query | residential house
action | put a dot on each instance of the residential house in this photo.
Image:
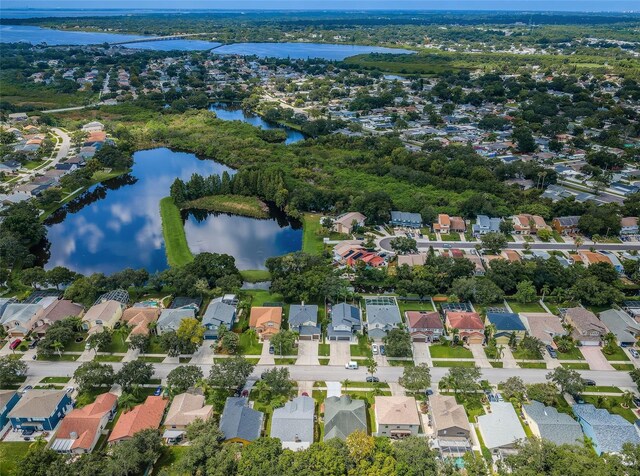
(629, 226)
(446, 224)
(477, 262)
(543, 326)
(468, 325)
(546, 422)
(587, 328)
(59, 310)
(266, 321)
(406, 219)
(383, 315)
(303, 319)
(424, 326)
(345, 322)
(606, 431)
(592, 257)
(345, 223)
(102, 316)
(184, 410)
(500, 429)
(484, 225)
(93, 126)
(293, 423)
(525, 224)
(18, 319)
(625, 328)
(218, 314)
(81, 428)
(396, 417)
(412, 260)
(343, 416)
(40, 410)
(506, 324)
(146, 416)
(170, 319)
(8, 400)
(239, 422)
(139, 319)
(451, 429)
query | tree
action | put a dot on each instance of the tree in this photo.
(191, 331)
(230, 342)
(183, 377)
(464, 379)
(205, 454)
(493, 242)
(278, 381)
(99, 340)
(404, 245)
(37, 462)
(569, 381)
(283, 342)
(93, 374)
(545, 234)
(610, 343)
(231, 373)
(524, 140)
(33, 277)
(140, 342)
(514, 387)
(416, 379)
(414, 458)
(11, 370)
(546, 393)
(134, 455)
(635, 376)
(532, 346)
(397, 343)
(526, 292)
(134, 373)
(259, 458)
(480, 290)
(360, 445)
(60, 276)
(371, 365)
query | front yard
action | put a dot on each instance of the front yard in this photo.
(618, 354)
(440, 351)
(249, 344)
(362, 348)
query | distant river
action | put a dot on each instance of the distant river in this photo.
(36, 35)
(117, 224)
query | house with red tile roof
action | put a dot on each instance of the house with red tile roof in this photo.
(424, 326)
(81, 428)
(468, 324)
(145, 416)
(139, 319)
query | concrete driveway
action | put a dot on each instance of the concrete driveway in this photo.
(508, 360)
(308, 353)
(595, 358)
(334, 389)
(204, 353)
(339, 352)
(480, 357)
(265, 357)
(421, 354)
(550, 361)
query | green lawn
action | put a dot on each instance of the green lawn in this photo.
(450, 236)
(497, 365)
(169, 458)
(520, 354)
(249, 344)
(453, 363)
(118, 345)
(414, 306)
(324, 350)
(146, 358)
(236, 204)
(576, 366)
(261, 296)
(175, 240)
(55, 380)
(55, 357)
(612, 404)
(618, 354)
(603, 389)
(532, 365)
(255, 275)
(110, 358)
(285, 361)
(440, 351)
(10, 455)
(312, 242)
(154, 346)
(362, 348)
(74, 346)
(573, 354)
(525, 307)
(185, 360)
(324, 361)
(401, 363)
(623, 366)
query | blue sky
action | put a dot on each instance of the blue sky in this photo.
(528, 5)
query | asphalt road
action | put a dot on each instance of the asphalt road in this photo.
(339, 373)
(385, 244)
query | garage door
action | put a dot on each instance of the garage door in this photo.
(419, 339)
(305, 338)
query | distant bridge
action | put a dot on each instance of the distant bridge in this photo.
(157, 38)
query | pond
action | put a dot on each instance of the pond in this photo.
(117, 224)
(228, 112)
(336, 52)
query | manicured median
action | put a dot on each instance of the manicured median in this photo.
(175, 240)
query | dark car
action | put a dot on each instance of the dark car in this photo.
(158, 391)
(271, 349)
(428, 392)
(636, 401)
(34, 343)
(382, 351)
(372, 379)
(28, 432)
(552, 352)
(588, 382)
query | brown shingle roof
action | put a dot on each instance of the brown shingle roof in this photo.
(447, 413)
(424, 320)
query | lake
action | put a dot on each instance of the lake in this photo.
(117, 224)
(37, 35)
(228, 112)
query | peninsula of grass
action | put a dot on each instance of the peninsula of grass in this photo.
(175, 240)
(237, 204)
(312, 242)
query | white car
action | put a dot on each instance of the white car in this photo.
(634, 353)
(374, 349)
(351, 365)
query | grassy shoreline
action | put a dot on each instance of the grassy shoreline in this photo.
(175, 239)
(312, 243)
(237, 204)
(255, 275)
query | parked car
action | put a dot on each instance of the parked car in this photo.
(34, 343)
(428, 392)
(382, 351)
(588, 382)
(374, 349)
(447, 246)
(271, 349)
(552, 352)
(14, 345)
(634, 353)
(158, 391)
(71, 389)
(636, 401)
(372, 379)
(351, 365)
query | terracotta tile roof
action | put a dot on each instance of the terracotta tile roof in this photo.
(147, 415)
(464, 320)
(424, 320)
(85, 422)
(629, 221)
(139, 318)
(261, 315)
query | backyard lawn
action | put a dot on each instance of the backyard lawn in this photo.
(312, 242)
(10, 455)
(525, 307)
(169, 458)
(414, 306)
(439, 351)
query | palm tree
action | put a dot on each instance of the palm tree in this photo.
(38, 443)
(545, 291)
(578, 242)
(454, 333)
(627, 399)
(345, 384)
(127, 401)
(152, 327)
(58, 347)
(122, 332)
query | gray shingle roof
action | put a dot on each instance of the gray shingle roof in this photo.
(346, 315)
(610, 431)
(19, 312)
(501, 428)
(218, 313)
(621, 324)
(343, 416)
(240, 421)
(557, 427)
(294, 421)
(304, 318)
(170, 319)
